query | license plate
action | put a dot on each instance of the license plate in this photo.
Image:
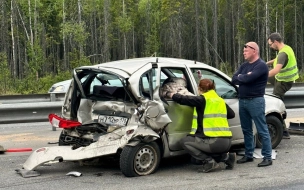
(113, 120)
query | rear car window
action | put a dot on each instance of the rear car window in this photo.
(103, 86)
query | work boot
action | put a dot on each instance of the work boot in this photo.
(208, 166)
(230, 161)
(286, 135)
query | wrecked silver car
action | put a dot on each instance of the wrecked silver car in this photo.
(116, 108)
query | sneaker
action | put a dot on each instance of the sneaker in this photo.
(286, 135)
(230, 161)
(208, 166)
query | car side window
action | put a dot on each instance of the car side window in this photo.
(169, 73)
(223, 88)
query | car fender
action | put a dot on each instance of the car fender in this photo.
(274, 104)
(143, 134)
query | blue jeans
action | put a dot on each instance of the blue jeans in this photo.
(254, 109)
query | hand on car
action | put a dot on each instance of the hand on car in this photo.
(166, 93)
(163, 93)
(169, 94)
(166, 89)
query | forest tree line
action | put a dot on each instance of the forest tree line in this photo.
(43, 40)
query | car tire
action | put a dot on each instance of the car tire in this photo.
(139, 160)
(275, 128)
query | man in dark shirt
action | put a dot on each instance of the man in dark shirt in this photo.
(252, 79)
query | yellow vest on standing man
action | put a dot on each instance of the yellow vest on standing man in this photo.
(290, 71)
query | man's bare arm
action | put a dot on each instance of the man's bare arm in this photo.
(270, 62)
(275, 70)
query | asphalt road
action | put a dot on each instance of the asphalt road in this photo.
(285, 173)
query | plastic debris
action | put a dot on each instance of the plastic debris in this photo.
(296, 128)
(27, 173)
(74, 173)
(257, 153)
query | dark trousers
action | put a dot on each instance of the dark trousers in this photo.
(206, 148)
(279, 89)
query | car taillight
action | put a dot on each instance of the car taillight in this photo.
(57, 121)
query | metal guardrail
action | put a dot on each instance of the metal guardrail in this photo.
(28, 112)
(294, 98)
(29, 108)
(13, 99)
(36, 108)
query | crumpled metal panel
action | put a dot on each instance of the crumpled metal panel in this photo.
(155, 115)
(86, 108)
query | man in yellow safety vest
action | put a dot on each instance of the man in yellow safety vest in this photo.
(285, 70)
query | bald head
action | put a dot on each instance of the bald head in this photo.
(254, 45)
(251, 52)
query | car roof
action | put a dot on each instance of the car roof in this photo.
(131, 65)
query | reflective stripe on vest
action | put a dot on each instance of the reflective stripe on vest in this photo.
(194, 122)
(215, 123)
(215, 115)
(290, 71)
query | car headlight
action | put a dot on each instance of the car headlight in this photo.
(57, 89)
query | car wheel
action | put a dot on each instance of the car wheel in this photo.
(142, 159)
(275, 128)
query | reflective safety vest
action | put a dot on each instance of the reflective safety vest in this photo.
(290, 71)
(215, 123)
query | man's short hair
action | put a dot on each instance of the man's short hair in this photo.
(275, 36)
